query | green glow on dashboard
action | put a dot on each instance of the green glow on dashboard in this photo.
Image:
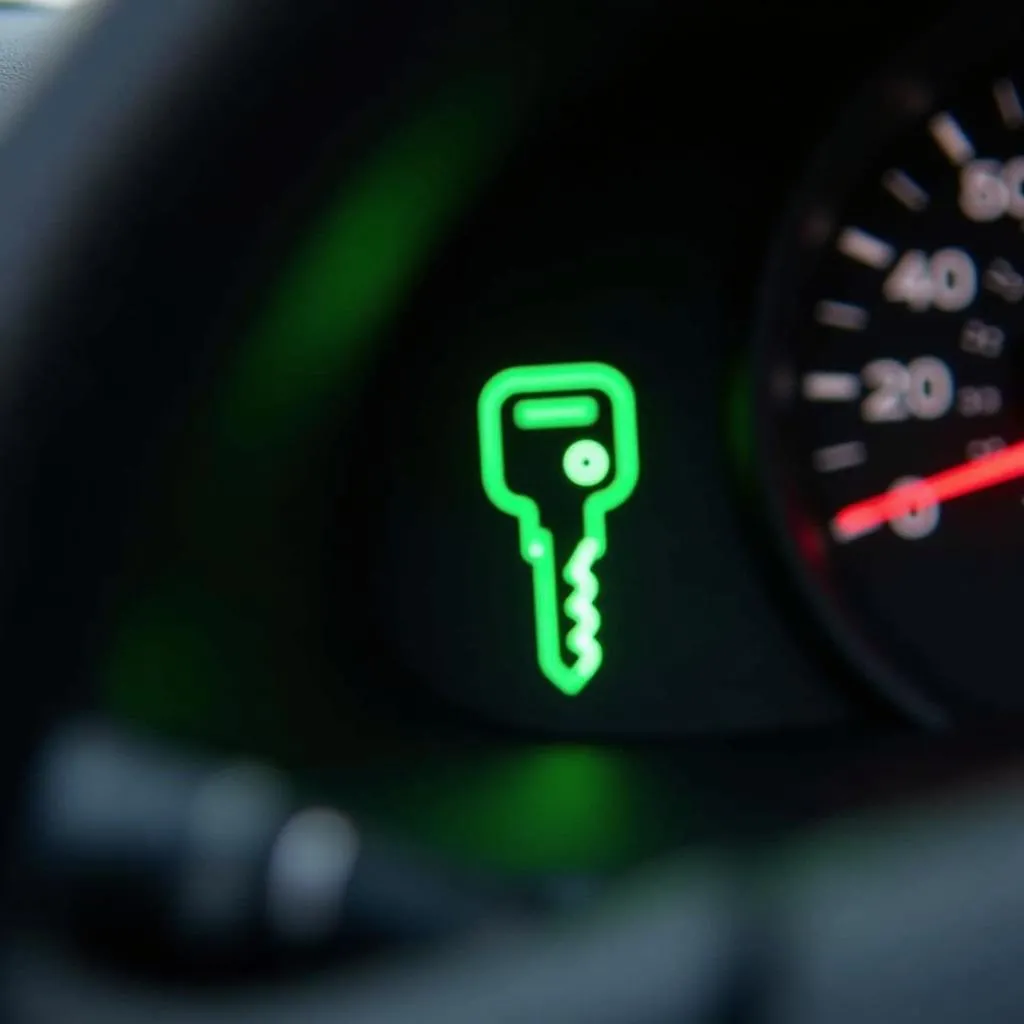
(586, 462)
(536, 807)
(220, 533)
(348, 281)
(739, 417)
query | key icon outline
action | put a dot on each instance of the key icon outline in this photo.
(536, 542)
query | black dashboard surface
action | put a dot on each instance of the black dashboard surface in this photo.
(638, 212)
(645, 203)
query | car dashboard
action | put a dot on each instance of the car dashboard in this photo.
(626, 451)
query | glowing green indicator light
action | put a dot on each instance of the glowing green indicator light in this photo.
(607, 478)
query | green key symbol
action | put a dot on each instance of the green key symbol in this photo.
(561, 397)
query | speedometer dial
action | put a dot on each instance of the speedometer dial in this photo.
(892, 381)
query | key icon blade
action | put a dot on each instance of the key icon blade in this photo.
(562, 398)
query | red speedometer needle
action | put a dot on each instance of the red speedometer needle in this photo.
(864, 516)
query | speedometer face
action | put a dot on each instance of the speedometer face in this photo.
(892, 384)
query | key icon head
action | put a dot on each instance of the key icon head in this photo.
(562, 399)
(559, 396)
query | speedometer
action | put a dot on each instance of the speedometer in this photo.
(891, 381)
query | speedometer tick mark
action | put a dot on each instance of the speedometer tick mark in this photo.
(1008, 102)
(839, 456)
(865, 248)
(843, 315)
(902, 187)
(825, 386)
(951, 138)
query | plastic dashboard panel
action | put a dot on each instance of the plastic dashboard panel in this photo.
(676, 252)
(745, 656)
(763, 668)
(617, 801)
